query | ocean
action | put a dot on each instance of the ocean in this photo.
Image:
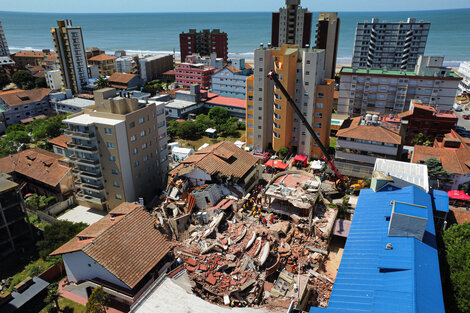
(158, 32)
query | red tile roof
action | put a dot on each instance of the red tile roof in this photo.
(10, 91)
(60, 141)
(125, 242)
(120, 78)
(24, 96)
(102, 57)
(51, 58)
(29, 54)
(223, 158)
(38, 164)
(228, 101)
(351, 128)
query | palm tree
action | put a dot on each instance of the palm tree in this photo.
(101, 82)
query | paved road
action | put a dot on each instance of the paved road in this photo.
(462, 122)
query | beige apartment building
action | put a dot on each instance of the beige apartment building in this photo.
(270, 120)
(106, 64)
(119, 149)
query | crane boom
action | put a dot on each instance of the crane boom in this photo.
(274, 77)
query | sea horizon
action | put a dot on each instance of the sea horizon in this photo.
(158, 32)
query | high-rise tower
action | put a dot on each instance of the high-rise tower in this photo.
(70, 49)
(291, 25)
(4, 51)
(326, 38)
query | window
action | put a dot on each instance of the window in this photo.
(141, 120)
(319, 105)
(116, 184)
(321, 95)
(118, 196)
(131, 124)
(112, 158)
(107, 130)
(146, 158)
(110, 145)
(114, 172)
(317, 125)
(319, 115)
(276, 135)
(142, 133)
(132, 138)
(134, 152)
(136, 163)
(144, 146)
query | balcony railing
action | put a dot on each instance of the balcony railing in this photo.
(85, 173)
(95, 199)
(81, 147)
(75, 159)
(78, 133)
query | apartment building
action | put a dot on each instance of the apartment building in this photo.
(361, 140)
(148, 67)
(119, 150)
(326, 38)
(8, 67)
(15, 230)
(187, 74)
(4, 51)
(53, 79)
(390, 45)
(19, 104)
(464, 71)
(390, 91)
(25, 58)
(70, 49)
(291, 25)
(211, 60)
(105, 63)
(124, 64)
(270, 120)
(231, 80)
(204, 43)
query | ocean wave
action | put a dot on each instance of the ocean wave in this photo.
(131, 51)
(16, 49)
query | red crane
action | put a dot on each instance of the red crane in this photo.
(343, 182)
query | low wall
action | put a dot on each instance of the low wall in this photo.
(53, 272)
(59, 207)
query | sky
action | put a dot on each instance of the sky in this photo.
(126, 6)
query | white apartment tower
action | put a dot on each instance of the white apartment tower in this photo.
(390, 45)
(4, 51)
(291, 25)
(119, 149)
(70, 49)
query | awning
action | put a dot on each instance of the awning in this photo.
(301, 158)
(277, 164)
(458, 195)
(317, 165)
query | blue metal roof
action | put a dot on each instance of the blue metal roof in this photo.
(412, 210)
(441, 200)
(370, 278)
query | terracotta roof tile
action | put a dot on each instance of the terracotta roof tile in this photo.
(129, 246)
(51, 58)
(25, 96)
(120, 78)
(453, 160)
(60, 141)
(102, 57)
(352, 129)
(30, 54)
(223, 158)
(38, 164)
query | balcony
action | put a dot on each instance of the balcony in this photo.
(77, 133)
(88, 186)
(89, 198)
(87, 162)
(87, 174)
(81, 148)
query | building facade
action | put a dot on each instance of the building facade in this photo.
(204, 43)
(25, 58)
(464, 71)
(391, 91)
(390, 45)
(231, 81)
(15, 229)
(151, 67)
(291, 25)
(326, 38)
(105, 63)
(4, 51)
(70, 49)
(119, 150)
(361, 140)
(124, 64)
(212, 60)
(19, 104)
(187, 74)
(8, 67)
(270, 120)
(53, 79)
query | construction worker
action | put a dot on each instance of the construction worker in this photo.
(271, 218)
(260, 217)
(264, 221)
(254, 211)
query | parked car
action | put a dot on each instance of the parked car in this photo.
(466, 116)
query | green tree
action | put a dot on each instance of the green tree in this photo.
(18, 136)
(219, 115)
(457, 245)
(172, 128)
(98, 301)
(283, 152)
(188, 130)
(421, 140)
(4, 81)
(40, 82)
(55, 235)
(204, 122)
(8, 147)
(101, 82)
(343, 207)
(23, 79)
(230, 128)
(15, 127)
(435, 169)
(53, 295)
